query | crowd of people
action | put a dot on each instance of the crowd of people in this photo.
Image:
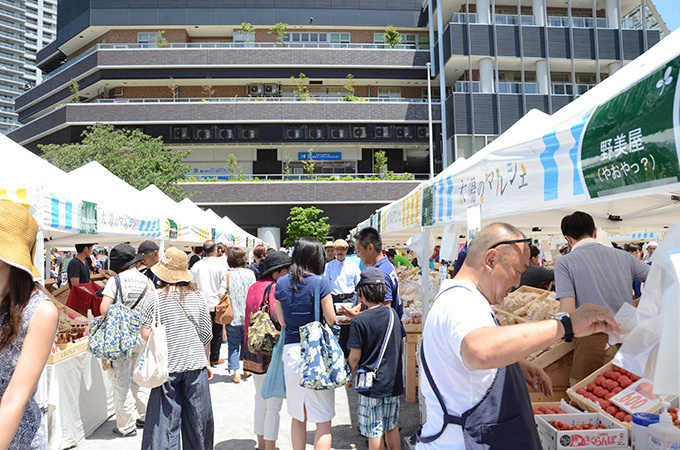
(475, 372)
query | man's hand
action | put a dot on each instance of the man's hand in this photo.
(210, 372)
(350, 383)
(536, 377)
(588, 319)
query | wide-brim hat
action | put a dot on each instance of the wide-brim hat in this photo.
(340, 243)
(276, 261)
(122, 257)
(18, 230)
(173, 267)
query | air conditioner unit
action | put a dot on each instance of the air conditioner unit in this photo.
(422, 132)
(359, 132)
(202, 134)
(382, 131)
(247, 133)
(338, 133)
(255, 89)
(180, 133)
(223, 133)
(293, 133)
(315, 133)
(400, 132)
(271, 89)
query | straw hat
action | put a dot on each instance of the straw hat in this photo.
(18, 230)
(173, 266)
(340, 243)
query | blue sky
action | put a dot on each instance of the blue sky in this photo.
(670, 12)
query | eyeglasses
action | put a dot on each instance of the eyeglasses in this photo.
(513, 241)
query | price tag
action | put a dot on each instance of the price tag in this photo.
(637, 397)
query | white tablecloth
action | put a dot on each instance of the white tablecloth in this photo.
(80, 399)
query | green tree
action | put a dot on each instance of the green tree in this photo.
(349, 84)
(305, 222)
(309, 163)
(137, 158)
(301, 89)
(380, 164)
(279, 32)
(234, 169)
(392, 36)
(246, 30)
(75, 91)
(159, 39)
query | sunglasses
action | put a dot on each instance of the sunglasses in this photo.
(513, 241)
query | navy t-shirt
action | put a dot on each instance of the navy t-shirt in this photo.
(367, 332)
(76, 269)
(298, 306)
(392, 283)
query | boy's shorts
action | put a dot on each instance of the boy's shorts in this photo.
(377, 415)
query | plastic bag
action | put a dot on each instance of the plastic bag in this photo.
(274, 384)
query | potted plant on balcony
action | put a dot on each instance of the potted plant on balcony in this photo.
(392, 36)
(301, 89)
(279, 32)
(349, 87)
(159, 39)
(247, 33)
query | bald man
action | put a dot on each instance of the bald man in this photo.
(475, 369)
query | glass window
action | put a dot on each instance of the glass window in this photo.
(389, 92)
(145, 38)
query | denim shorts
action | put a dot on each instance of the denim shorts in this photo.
(377, 415)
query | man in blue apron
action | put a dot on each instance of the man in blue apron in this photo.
(475, 375)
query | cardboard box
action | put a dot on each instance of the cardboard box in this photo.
(587, 405)
(614, 436)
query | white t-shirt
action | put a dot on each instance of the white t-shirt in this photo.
(455, 313)
(132, 283)
(208, 274)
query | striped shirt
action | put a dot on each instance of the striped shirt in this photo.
(187, 327)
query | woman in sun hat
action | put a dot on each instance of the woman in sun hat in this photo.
(182, 404)
(28, 324)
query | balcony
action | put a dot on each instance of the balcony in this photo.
(229, 111)
(245, 61)
(553, 21)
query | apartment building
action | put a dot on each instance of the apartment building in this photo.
(188, 71)
(26, 26)
(501, 58)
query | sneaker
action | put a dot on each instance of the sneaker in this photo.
(216, 363)
(237, 378)
(118, 433)
(139, 423)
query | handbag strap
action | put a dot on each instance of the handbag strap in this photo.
(386, 340)
(185, 314)
(119, 291)
(317, 299)
(265, 297)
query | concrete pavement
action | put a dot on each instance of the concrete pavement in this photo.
(233, 412)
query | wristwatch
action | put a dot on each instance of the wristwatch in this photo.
(566, 323)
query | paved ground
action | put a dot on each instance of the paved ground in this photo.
(233, 412)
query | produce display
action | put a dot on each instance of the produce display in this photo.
(545, 410)
(605, 386)
(410, 292)
(531, 305)
(561, 426)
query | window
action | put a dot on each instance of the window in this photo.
(419, 41)
(389, 92)
(146, 39)
(334, 38)
(434, 95)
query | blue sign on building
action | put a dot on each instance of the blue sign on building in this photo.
(320, 156)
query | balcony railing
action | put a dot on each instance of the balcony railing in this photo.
(531, 88)
(256, 100)
(226, 45)
(567, 88)
(553, 21)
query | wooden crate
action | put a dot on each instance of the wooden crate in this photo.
(413, 328)
(412, 343)
(558, 394)
(557, 363)
(542, 293)
(505, 317)
(68, 351)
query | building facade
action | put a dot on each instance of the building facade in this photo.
(502, 58)
(26, 26)
(190, 72)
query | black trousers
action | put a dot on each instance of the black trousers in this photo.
(216, 342)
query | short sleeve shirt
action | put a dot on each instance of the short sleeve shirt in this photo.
(298, 306)
(392, 283)
(367, 332)
(132, 284)
(455, 313)
(600, 275)
(77, 269)
(188, 327)
(240, 281)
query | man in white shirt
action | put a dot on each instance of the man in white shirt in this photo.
(477, 368)
(208, 274)
(343, 274)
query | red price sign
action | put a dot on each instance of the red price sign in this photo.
(637, 397)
